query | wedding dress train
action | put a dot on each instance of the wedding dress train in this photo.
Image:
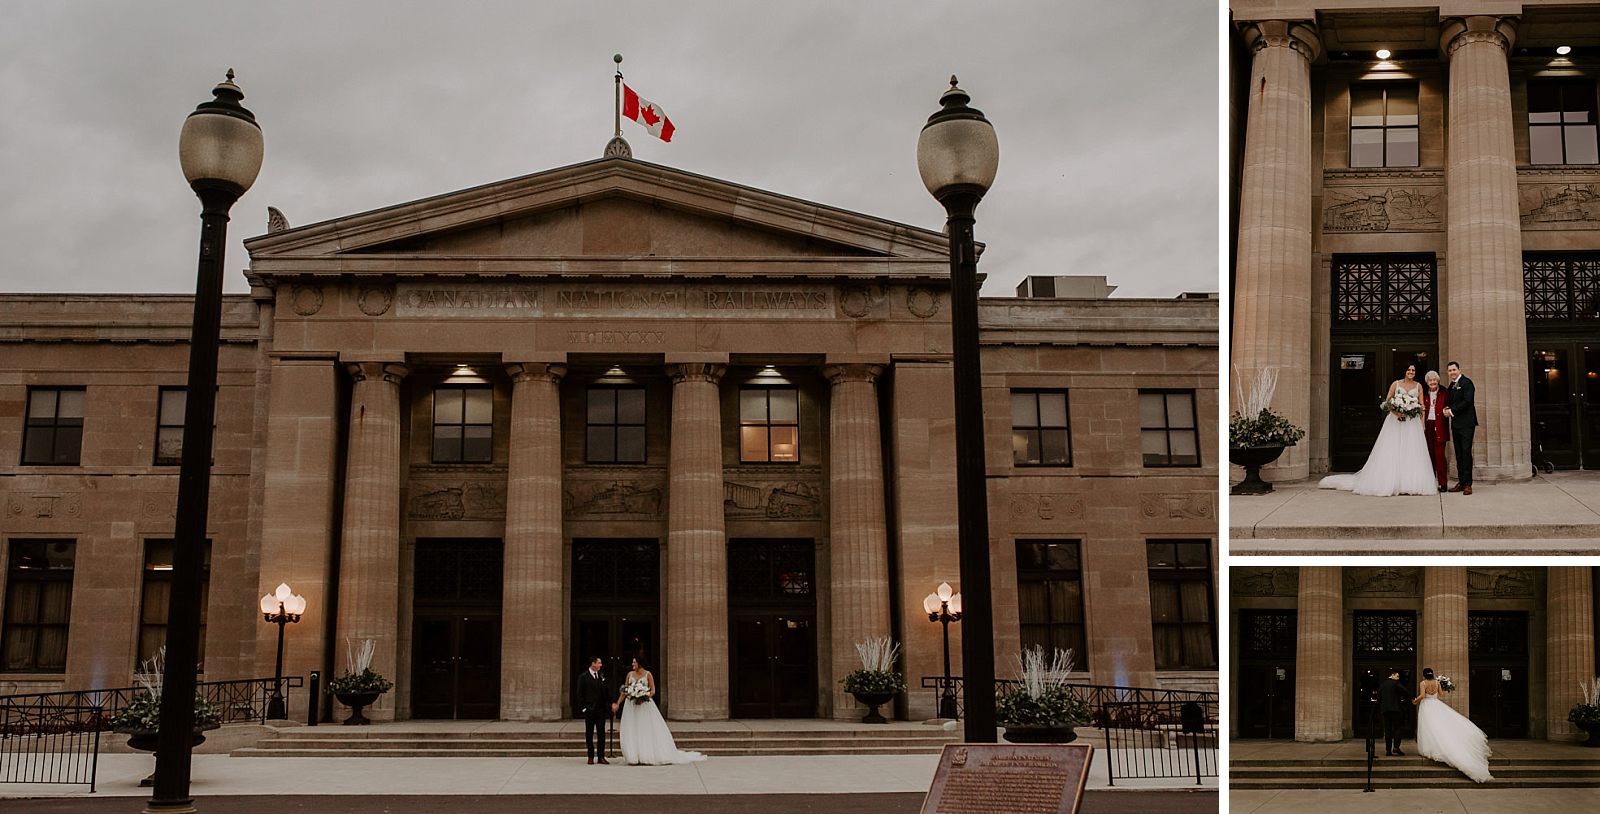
(1399, 464)
(645, 737)
(1447, 736)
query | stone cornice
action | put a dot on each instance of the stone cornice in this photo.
(270, 271)
(1298, 36)
(1425, 176)
(1454, 32)
(1109, 322)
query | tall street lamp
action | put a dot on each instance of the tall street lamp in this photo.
(944, 606)
(957, 156)
(220, 150)
(280, 608)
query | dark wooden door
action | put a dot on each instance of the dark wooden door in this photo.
(772, 664)
(1383, 640)
(1266, 674)
(616, 612)
(1564, 402)
(1497, 685)
(455, 642)
(1360, 378)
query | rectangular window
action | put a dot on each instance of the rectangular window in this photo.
(769, 425)
(1039, 435)
(1561, 122)
(1050, 597)
(1181, 599)
(38, 606)
(54, 426)
(1167, 432)
(463, 425)
(157, 594)
(1383, 125)
(169, 425)
(616, 425)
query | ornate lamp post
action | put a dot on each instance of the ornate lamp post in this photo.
(944, 606)
(957, 156)
(220, 149)
(280, 608)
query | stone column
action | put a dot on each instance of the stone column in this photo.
(1319, 679)
(533, 625)
(1444, 629)
(369, 555)
(857, 532)
(1569, 633)
(1272, 317)
(697, 548)
(1485, 328)
(297, 511)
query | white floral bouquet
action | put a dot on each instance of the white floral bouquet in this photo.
(1445, 684)
(637, 691)
(1404, 405)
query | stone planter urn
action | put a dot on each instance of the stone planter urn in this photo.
(1252, 459)
(146, 740)
(1035, 733)
(356, 701)
(1594, 734)
(873, 700)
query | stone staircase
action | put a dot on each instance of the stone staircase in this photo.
(389, 741)
(1411, 772)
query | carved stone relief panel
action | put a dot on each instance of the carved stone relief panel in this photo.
(1560, 205)
(45, 505)
(1265, 581)
(1383, 209)
(601, 496)
(1500, 582)
(1186, 505)
(158, 505)
(457, 499)
(766, 498)
(1383, 580)
(1043, 506)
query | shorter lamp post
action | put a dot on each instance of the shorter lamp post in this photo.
(280, 608)
(944, 606)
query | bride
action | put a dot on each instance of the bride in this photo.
(1444, 735)
(644, 734)
(1399, 463)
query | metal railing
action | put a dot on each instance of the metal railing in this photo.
(1149, 733)
(55, 737)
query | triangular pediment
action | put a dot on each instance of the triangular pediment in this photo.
(613, 207)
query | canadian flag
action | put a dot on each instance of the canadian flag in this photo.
(647, 113)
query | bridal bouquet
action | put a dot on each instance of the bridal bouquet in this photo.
(1404, 405)
(637, 691)
(1445, 684)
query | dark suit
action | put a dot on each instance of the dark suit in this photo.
(1463, 422)
(594, 700)
(1392, 698)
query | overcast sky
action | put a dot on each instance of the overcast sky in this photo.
(1106, 114)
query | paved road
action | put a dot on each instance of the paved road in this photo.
(1095, 802)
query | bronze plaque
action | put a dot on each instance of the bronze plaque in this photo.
(984, 778)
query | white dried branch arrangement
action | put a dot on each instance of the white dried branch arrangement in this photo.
(1590, 691)
(1039, 675)
(359, 658)
(878, 654)
(1250, 401)
(152, 672)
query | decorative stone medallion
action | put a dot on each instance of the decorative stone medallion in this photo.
(374, 300)
(922, 302)
(855, 301)
(305, 300)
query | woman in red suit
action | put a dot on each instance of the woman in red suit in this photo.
(1437, 428)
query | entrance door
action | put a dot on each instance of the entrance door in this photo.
(1266, 674)
(1497, 646)
(1361, 375)
(772, 611)
(1564, 397)
(455, 643)
(1384, 640)
(616, 611)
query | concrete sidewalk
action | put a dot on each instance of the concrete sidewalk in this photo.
(1414, 801)
(1555, 514)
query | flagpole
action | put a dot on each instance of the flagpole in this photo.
(618, 118)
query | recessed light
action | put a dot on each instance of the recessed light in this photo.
(1383, 53)
(1563, 49)
(461, 367)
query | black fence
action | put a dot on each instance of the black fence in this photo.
(1149, 733)
(55, 737)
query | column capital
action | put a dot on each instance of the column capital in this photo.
(536, 372)
(696, 372)
(1455, 32)
(377, 371)
(839, 374)
(1299, 36)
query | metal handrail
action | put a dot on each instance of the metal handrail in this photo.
(238, 701)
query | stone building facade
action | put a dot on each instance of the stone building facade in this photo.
(610, 409)
(1516, 641)
(1439, 203)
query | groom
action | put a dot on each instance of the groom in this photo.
(1392, 697)
(1463, 422)
(594, 697)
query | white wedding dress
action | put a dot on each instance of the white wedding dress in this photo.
(1446, 736)
(1398, 464)
(644, 734)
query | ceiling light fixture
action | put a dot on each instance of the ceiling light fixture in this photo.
(1383, 53)
(1563, 50)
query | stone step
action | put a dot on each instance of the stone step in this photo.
(1457, 782)
(1494, 762)
(579, 752)
(367, 733)
(1406, 772)
(361, 744)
